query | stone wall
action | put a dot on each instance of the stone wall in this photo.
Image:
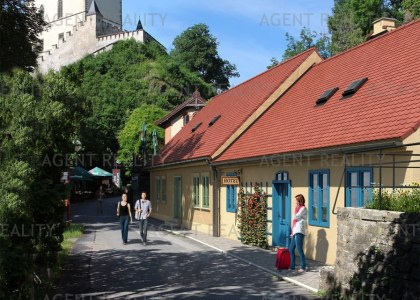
(378, 255)
(83, 41)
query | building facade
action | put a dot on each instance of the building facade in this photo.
(77, 28)
(335, 130)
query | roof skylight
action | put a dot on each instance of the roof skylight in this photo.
(354, 87)
(326, 96)
(214, 120)
(196, 127)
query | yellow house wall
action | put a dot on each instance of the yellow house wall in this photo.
(413, 175)
(320, 242)
(199, 219)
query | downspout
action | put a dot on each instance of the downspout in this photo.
(216, 203)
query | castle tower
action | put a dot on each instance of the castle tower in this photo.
(63, 15)
(78, 28)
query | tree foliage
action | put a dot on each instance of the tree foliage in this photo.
(196, 48)
(129, 137)
(307, 39)
(20, 25)
(349, 25)
(118, 81)
(37, 119)
(351, 20)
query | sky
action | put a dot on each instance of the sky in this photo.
(249, 32)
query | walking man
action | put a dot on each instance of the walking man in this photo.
(144, 207)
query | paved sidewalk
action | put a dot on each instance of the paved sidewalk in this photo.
(260, 258)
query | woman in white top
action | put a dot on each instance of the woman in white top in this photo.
(298, 233)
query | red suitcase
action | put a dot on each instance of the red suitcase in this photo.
(283, 259)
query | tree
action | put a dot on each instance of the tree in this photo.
(129, 136)
(308, 39)
(351, 20)
(411, 10)
(273, 62)
(38, 117)
(118, 81)
(197, 49)
(20, 25)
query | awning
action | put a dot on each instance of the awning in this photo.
(98, 172)
(80, 174)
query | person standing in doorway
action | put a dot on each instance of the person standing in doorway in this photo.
(144, 208)
(298, 233)
(124, 211)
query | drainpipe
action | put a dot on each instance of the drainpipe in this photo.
(216, 203)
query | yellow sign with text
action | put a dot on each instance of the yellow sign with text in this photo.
(230, 180)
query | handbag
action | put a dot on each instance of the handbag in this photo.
(137, 215)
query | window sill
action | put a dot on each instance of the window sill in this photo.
(202, 209)
(316, 224)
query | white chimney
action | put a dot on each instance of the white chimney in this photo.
(382, 25)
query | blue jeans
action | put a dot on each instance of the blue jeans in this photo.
(143, 229)
(297, 242)
(124, 228)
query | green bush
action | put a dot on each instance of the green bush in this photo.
(252, 217)
(404, 200)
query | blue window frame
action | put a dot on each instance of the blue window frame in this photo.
(358, 186)
(231, 196)
(319, 198)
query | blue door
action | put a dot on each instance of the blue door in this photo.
(281, 213)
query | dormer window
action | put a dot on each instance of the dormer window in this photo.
(186, 119)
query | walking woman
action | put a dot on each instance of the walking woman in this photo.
(124, 211)
(298, 233)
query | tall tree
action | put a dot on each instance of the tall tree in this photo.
(37, 119)
(411, 10)
(197, 49)
(351, 20)
(307, 39)
(130, 152)
(118, 81)
(20, 25)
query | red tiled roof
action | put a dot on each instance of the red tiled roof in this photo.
(234, 106)
(386, 107)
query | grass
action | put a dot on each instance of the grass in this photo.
(74, 231)
(70, 234)
(399, 200)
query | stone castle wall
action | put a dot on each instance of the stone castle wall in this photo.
(378, 254)
(88, 37)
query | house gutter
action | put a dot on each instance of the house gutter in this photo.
(184, 162)
(316, 153)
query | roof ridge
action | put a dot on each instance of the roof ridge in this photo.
(386, 34)
(266, 71)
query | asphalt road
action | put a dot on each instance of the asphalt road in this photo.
(169, 267)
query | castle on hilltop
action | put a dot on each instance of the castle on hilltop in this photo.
(77, 28)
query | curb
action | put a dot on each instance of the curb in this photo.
(285, 278)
